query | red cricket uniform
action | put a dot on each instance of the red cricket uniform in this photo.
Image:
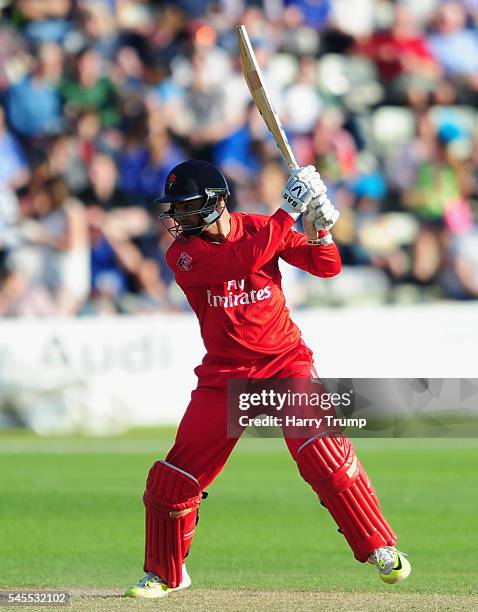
(234, 287)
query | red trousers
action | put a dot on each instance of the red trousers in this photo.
(202, 446)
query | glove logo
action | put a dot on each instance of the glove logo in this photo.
(185, 262)
(297, 188)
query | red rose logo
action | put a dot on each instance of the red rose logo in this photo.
(185, 262)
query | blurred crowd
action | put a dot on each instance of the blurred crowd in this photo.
(100, 98)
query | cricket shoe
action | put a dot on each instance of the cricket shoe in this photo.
(151, 587)
(392, 564)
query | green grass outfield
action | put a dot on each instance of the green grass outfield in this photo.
(71, 515)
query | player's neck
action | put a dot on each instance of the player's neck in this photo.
(217, 232)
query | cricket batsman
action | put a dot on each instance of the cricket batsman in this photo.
(227, 266)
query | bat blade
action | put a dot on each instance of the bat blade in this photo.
(255, 82)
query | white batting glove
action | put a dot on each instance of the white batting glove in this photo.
(308, 221)
(324, 212)
(303, 186)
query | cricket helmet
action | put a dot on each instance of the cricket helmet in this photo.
(193, 180)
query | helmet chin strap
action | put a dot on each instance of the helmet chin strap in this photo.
(212, 217)
(214, 214)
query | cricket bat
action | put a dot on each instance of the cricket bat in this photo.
(255, 82)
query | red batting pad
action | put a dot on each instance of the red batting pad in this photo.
(171, 499)
(331, 467)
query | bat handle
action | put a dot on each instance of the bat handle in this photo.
(293, 165)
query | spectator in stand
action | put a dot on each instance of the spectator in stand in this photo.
(438, 199)
(99, 27)
(124, 278)
(52, 264)
(64, 158)
(9, 218)
(122, 218)
(46, 21)
(404, 60)
(89, 135)
(268, 190)
(355, 18)
(316, 12)
(422, 12)
(109, 277)
(471, 7)
(154, 276)
(102, 189)
(334, 151)
(237, 153)
(459, 277)
(14, 169)
(166, 41)
(14, 58)
(88, 89)
(302, 103)
(456, 49)
(143, 169)
(206, 114)
(440, 180)
(377, 241)
(71, 153)
(33, 104)
(129, 72)
(403, 164)
(296, 37)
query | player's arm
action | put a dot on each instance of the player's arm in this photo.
(211, 264)
(319, 259)
(315, 252)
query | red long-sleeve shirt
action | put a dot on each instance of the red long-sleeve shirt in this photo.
(234, 287)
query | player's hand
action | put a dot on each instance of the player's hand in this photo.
(303, 186)
(321, 213)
